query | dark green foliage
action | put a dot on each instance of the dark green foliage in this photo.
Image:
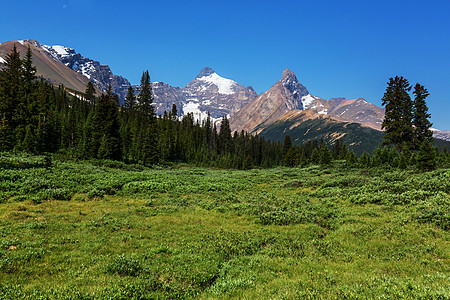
(292, 157)
(37, 117)
(421, 123)
(406, 122)
(397, 122)
(426, 157)
(90, 92)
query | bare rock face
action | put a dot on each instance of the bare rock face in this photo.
(46, 65)
(357, 111)
(164, 96)
(285, 95)
(289, 95)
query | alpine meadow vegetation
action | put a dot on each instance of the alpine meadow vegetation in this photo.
(106, 201)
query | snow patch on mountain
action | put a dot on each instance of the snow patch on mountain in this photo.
(224, 85)
(441, 134)
(2, 61)
(61, 50)
(307, 101)
(193, 107)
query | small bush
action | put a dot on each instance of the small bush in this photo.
(124, 265)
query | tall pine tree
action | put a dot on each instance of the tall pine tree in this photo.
(398, 118)
(421, 123)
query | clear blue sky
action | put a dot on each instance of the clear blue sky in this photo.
(336, 48)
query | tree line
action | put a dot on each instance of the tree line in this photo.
(37, 117)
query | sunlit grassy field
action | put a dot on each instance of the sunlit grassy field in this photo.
(106, 230)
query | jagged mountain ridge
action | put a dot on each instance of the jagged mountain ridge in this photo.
(207, 92)
(47, 67)
(288, 94)
(100, 75)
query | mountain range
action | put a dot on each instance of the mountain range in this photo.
(286, 108)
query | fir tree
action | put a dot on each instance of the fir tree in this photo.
(425, 160)
(292, 157)
(421, 123)
(130, 99)
(90, 92)
(224, 138)
(398, 118)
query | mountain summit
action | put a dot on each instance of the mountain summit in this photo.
(209, 92)
(207, 71)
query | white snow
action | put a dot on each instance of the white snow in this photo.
(340, 115)
(61, 50)
(206, 102)
(2, 60)
(224, 85)
(21, 41)
(307, 101)
(192, 107)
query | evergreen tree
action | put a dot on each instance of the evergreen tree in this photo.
(145, 141)
(90, 92)
(287, 144)
(398, 118)
(224, 140)
(351, 158)
(292, 157)
(421, 123)
(325, 155)
(426, 157)
(130, 99)
(11, 84)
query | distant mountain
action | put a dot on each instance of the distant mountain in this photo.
(307, 125)
(219, 96)
(47, 66)
(289, 94)
(208, 92)
(442, 135)
(100, 75)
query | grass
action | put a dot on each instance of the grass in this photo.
(116, 231)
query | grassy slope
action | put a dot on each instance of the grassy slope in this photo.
(188, 232)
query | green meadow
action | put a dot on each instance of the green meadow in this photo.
(101, 229)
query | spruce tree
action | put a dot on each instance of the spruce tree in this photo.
(90, 92)
(397, 122)
(421, 123)
(11, 88)
(426, 157)
(286, 144)
(224, 142)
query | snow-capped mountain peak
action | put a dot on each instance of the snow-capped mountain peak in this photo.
(224, 85)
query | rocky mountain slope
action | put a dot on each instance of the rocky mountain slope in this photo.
(47, 66)
(208, 92)
(307, 125)
(289, 94)
(100, 75)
